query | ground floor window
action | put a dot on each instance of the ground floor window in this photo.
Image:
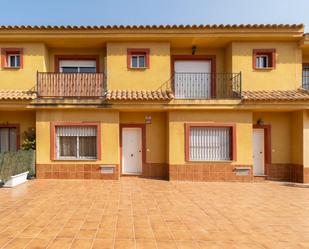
(210, 143)
(76, 142)
(8, 139)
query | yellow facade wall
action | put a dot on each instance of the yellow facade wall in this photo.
(286, 75)
(26, 120)
(156, 77)
(109, 132)
(243, 121)
(297, 137)
(34, 57)
(280, 134)
(155, 133)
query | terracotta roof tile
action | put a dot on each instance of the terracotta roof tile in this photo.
(138, 95)
(103, 27)
(280, 95)
(16, 95)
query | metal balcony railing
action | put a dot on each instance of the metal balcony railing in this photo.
(305, 82)
(207, 85)
(84, 85)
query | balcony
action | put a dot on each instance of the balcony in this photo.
(70, 85)
(207, 85)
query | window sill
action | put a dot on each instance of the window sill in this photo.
(75, 159)
(221, 161)
(138, 68)
(12, 68)
(264, 69)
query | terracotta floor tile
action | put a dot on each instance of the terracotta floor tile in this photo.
(86, 233)
(146, 244)
(17, 243)
(143, 213)
(124, 233)
(124, 244)
(103, 244)
(38, 243)
(105, 233)
(60, 244)
(166, 245)
(82, 244)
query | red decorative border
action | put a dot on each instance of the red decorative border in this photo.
(53, 126)
(134, 51)
(143, 128)
(270, 52)
(211, 58)
(232, 127)
(77, 57)
(4, 56)
(267, 143)
(17, 127)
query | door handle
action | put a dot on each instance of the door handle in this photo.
(139, 151)
(131, 155)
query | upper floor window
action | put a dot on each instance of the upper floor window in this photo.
(138, 58)
(264, 59)
(12, 58)
(77, 66)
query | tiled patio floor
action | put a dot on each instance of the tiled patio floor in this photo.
(143, 213)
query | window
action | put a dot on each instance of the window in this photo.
(305, 82)
(264, 58)
(8, 139)
(77, 66)
(138, 61)
(76, 142)
(12, 58)
(210, 142)
(138, 58)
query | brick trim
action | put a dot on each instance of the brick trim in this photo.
(77, 57)
(4, 57)
(17, 127)
(211, 58)
(232, 127)
(135, 51)
(270, 52)
(53, 126)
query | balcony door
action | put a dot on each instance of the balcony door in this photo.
(77, 66)
(192, 79)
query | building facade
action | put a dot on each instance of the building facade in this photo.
(197, 103)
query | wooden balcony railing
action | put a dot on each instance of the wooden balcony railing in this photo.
(84, 85)
(207, 85)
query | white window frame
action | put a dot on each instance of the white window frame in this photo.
(78, 157)
(77, 64)
(138, 56)
(258, 62)
(9, 60)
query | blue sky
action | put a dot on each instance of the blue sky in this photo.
(103, 12)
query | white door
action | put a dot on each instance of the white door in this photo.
(131, 150)
(192, 79)
(258, 152)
